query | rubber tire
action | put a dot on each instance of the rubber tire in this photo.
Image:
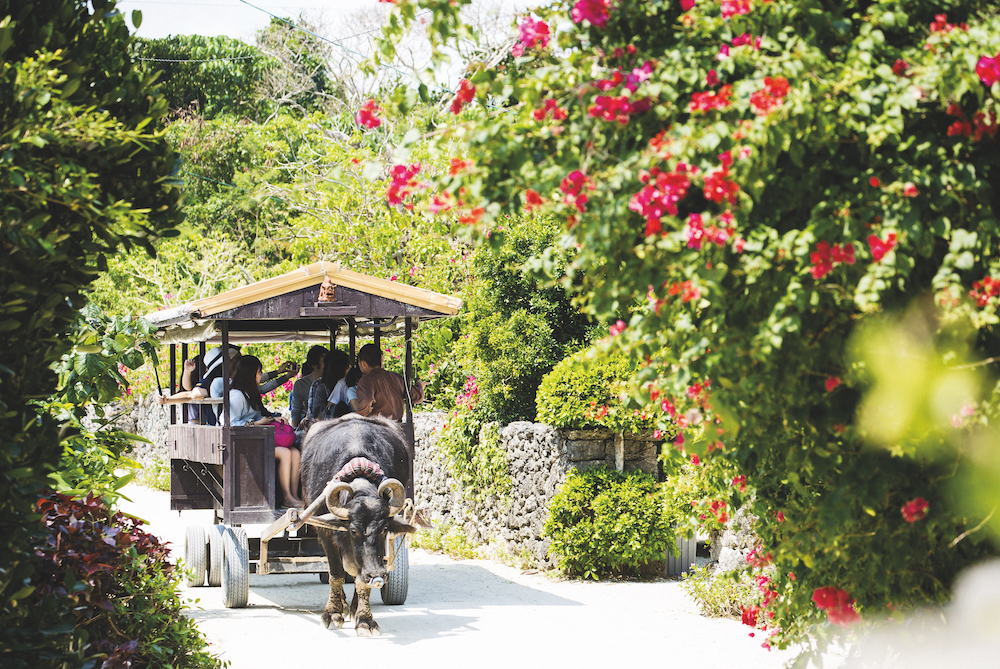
(235, 568)
(195, 555)
(216, 553)
(397, 581)
(324, 578)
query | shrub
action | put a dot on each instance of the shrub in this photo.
(720, 595)
(584, 391)
(608, 523)
(103, 594)
(448, 538)
(478, 460)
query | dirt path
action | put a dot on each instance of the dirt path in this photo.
(463, 614)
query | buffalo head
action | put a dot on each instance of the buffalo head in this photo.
(367, 514)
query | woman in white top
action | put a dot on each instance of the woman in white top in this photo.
(246, 408)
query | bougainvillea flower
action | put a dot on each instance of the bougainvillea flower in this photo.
(532, 200)
(988, 69)
(915, 509)
(472, 216)
(660, 195)
(367, 115)
(900, 67)
(740, 482)
(401, 182)
(909, 190)
(838, 605)
(687, 4)
(879, 248)
(825, 257)
(594, 11)
(712, 78)
(983, 290)
(441, 202)
(718, 188)
(533, 33)
(457, 165)
(874, 182)
(749, 615)
(550, 107)
(466, 93)
(831, 383)
(732, 8)
(711, 99)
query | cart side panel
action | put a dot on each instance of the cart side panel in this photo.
(188, 487)
(248, 464)
(197, 443)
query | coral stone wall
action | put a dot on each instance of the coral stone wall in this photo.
(540, 458)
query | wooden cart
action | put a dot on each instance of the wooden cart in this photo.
(231, 469)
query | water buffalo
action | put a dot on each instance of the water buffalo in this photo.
(367, 457)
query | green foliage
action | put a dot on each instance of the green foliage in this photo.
(83, 171)
(750, 340)
(154, 475)
(478, 459)
(720, 595)
(221, 75)
(607, 523)
(584, 390)
(447, 537)
(104, 591)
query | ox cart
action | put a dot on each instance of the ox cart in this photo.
(231, 469)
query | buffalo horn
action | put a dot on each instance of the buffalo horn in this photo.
(396, 495)
(333, 499)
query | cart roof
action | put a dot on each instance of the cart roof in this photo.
(287, 308)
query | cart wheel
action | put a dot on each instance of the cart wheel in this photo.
(325, 578)
(216, 550)
(235, 568)
(195, 555)
(397, 582)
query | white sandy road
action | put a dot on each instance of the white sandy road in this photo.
(463, 614)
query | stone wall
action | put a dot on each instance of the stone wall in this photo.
(540, 457)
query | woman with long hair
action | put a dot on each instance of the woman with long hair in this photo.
(246, 408)
(334, 369)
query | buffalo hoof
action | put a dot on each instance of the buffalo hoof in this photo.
(333, 620)
(367, 628)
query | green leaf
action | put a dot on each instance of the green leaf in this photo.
(136, 18)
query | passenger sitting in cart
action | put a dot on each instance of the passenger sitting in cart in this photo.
(247, 409)
(298, 399)
(335, 368)
(211, 383)
(382, 393)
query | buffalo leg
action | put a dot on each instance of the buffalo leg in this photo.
(333, 612)
(365, 624)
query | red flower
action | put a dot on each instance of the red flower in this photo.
(749, 615)
(612, 108)
(900, 67)
(838, 605)
(909, 190)
(712, 78)
(471, 217)
(825, 256)
(457, 165)
(740, 482)
(695, 460)
(988, 69)
(687, 4)
(466, 93)
(879, 248)
(573, 185)
(711, 99)
(550, 106)
(660, 195)
(781, 519)
(875, 183)
(831, 383)
(532, 200)
(989, 286)
(915, 509)
(617, 328)
(441, 202)
(594, 11)
(367, 115)
(718, 188)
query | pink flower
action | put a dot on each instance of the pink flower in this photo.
(367, 115)
(401, 182)
(988, 69)
(900, 67)
(695, 460)
(915, 509)
(909, 190)
(731, 8)
(781, 519)
(686, 5)
(594, 11)
(533, 33)
(740, 482)
(968, 409)
(617, 328)
(749, 615)
(712, 78)
(831, 383)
